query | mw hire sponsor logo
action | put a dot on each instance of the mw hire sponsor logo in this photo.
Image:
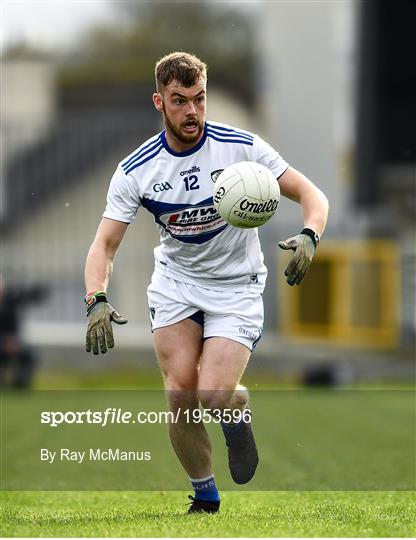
(192, 220)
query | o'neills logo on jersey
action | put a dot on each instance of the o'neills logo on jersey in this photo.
(190, 171)
(192, 221)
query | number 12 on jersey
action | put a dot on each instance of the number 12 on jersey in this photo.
(191, 182)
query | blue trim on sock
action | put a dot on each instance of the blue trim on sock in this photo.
(206, 490)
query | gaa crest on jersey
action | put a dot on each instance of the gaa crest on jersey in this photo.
(215, 174)
(161, 186)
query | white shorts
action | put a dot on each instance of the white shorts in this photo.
(235, 315)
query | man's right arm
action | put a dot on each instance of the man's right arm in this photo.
(99, 265)
(98, 269)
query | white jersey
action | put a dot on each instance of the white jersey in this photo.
(196, 244)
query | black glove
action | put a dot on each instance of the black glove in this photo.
(99, 330)
(304, 246)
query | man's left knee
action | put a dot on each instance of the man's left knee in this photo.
(215, 399)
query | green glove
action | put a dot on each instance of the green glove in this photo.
(304, 246)
(99, 331)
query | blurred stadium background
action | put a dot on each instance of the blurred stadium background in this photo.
(329, 84)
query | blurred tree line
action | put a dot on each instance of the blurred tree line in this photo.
(114, 65)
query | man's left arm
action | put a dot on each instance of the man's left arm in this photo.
(296, 187)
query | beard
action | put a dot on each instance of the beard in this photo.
(176, 130)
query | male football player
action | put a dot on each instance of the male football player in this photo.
(205, 297)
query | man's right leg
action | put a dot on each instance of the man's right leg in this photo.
(178, 348)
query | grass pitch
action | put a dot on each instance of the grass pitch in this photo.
(243, 514)
(249, 514)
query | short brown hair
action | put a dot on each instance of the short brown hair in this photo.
(183, 67)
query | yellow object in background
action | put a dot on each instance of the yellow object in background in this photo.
(351, 296)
